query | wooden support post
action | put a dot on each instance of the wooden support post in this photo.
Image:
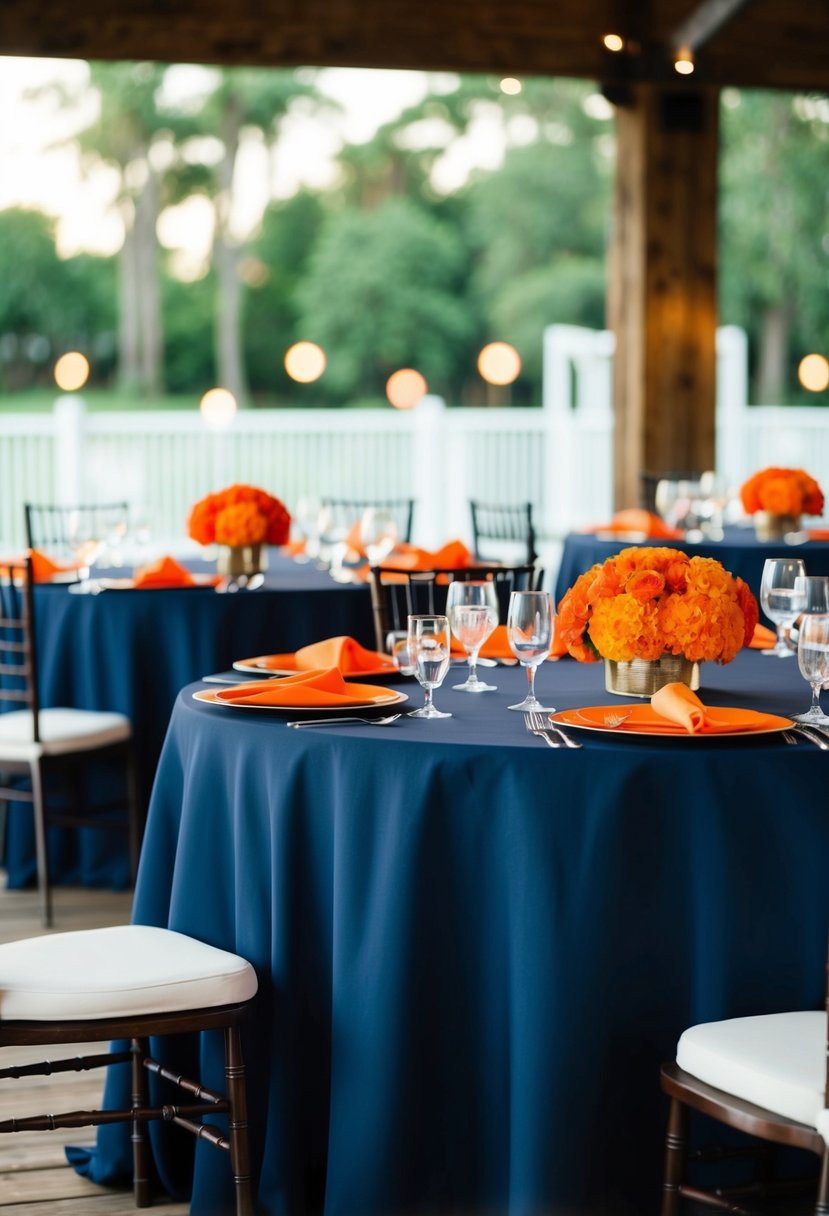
(662, 302)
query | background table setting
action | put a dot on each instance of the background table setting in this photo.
(131, 650)
(474, 950)
(765, 519)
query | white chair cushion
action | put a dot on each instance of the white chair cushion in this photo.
(777, 1061)
(121, 971)
(62, 731)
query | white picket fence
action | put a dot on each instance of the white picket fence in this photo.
(559, 457)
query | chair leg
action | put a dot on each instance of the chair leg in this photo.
(674, 1158)
(43, 887)
(135, 816)
(140, 1145)
(238, 1121)
(822, 1205)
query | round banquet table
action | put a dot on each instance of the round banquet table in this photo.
(473, 950)
(131, 651)
(739, 551)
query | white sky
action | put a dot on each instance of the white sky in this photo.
(36, 171)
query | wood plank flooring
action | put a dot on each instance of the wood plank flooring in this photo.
(35, 1178)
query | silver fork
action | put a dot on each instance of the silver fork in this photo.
(812, 734)
(300, 723)
(537, 724)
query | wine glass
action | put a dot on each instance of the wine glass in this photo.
(779, 600)
(472, 609)
(429, 644)
(84, 541)
(378, 534)
(815, 591)
(306, 518)
(813, 660)
(530, 633)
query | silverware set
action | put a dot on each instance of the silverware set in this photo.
(814, 734)
(554, 736)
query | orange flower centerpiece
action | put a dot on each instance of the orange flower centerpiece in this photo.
(653, 614)
(241, 519)
(777, 498)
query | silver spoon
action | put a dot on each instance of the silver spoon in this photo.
(387, 721)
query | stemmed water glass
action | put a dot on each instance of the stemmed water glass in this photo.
(428, 646)
(530, 634)
(780, 601)
(813, 660)
(472, 609)
(84, 541)
(378, 534)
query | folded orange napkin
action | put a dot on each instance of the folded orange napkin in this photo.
(166, 572)
(454, 555)
(44, 568)
(678, 705)
(818, 533)
(762, 638)
(323, 687)
(344, 653)
(635, 519)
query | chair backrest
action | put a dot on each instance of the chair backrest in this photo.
(348, 511)
(59, 529)
(398, 594)
(18, 654)
(503, 523)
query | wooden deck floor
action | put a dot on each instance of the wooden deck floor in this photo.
(35, 1179)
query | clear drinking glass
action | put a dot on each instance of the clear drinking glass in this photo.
(84, 541)
(472, 609)
(530, 633)
(378, 534)
(397, 645)
(813, 660)
(779, 600)
(429, 645)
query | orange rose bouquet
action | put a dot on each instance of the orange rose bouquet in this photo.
(782, 492)
(239, 515)
(647, 602)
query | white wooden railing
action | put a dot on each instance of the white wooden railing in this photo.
(559, 456)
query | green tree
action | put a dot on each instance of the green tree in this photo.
(273, 271)
(383, 291)
(245, 100)
(48, 304)
(774, 221)
(537, 226)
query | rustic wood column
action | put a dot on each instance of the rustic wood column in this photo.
(662, 300)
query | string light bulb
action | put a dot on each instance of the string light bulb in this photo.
(613, 42)
(684, 61)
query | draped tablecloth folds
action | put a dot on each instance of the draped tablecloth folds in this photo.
(474, 951)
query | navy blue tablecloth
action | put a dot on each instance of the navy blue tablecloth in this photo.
(474, 951)
(739, 551)
(131, 651)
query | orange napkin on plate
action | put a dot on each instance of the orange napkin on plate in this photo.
(763, 638)
(44, 568)
(454, 555)
(635, 519)
(166, 572)
(681, 707)
(324, 687)
(344, 653)
(818, 533)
